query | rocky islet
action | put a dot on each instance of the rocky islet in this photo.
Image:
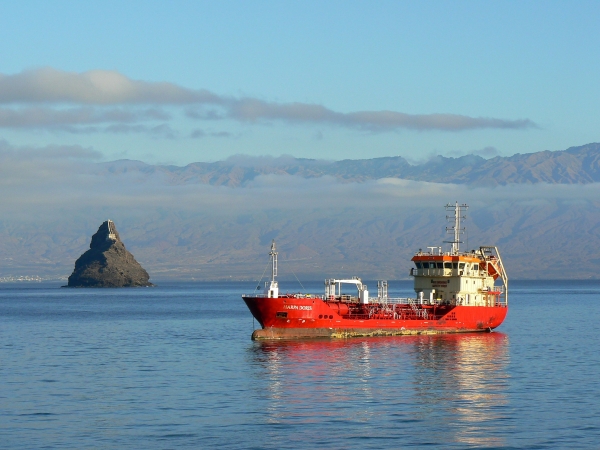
(108, 263)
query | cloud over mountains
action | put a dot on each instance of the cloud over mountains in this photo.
(47, 98)
(56, 177)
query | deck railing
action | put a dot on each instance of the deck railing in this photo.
(344, 298)
(389, 302)
(499, 289)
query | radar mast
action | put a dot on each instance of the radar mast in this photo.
(456, 229)
(272, 286)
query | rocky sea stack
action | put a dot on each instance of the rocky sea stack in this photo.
(108, 263)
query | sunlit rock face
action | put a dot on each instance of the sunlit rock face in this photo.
(108, 263)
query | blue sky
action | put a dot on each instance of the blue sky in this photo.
(329, 80)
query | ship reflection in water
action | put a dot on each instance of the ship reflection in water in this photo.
(412, 389)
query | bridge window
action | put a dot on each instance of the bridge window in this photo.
(440, 265)
(425, 265)
(447, 265)
(419, 265)
(475, 266)
(455, 265)
(461, 266)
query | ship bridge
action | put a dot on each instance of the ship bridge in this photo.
(459, 278)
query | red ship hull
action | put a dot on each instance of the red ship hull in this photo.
(290, 317)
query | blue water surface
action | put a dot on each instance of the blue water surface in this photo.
(174, 367)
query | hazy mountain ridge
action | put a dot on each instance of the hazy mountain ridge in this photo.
(210, 221)
(549, 240)
(576, 165)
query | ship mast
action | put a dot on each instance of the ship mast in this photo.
(272, 289)
(456, 229)
(273, 255)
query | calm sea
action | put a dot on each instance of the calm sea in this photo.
(174, 367)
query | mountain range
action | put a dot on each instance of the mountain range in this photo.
(575, 165)
(215, 221)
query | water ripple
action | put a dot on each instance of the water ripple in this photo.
(174, 367)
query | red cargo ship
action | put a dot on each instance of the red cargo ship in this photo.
(456, 292)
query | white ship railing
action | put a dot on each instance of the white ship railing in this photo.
(299, 295)
(392, 300)
(345, 298)
(495, 289)
(389, 302)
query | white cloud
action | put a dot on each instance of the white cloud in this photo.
(487, 152)
(251, 110)
(76, 119)
(200, 133)
(101, 88)
(41, 154)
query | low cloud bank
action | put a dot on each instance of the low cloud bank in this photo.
(67, 178)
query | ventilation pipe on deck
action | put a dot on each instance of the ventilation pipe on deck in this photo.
(363, 294)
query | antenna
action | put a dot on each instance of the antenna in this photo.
(112, 232)
(456, 229)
